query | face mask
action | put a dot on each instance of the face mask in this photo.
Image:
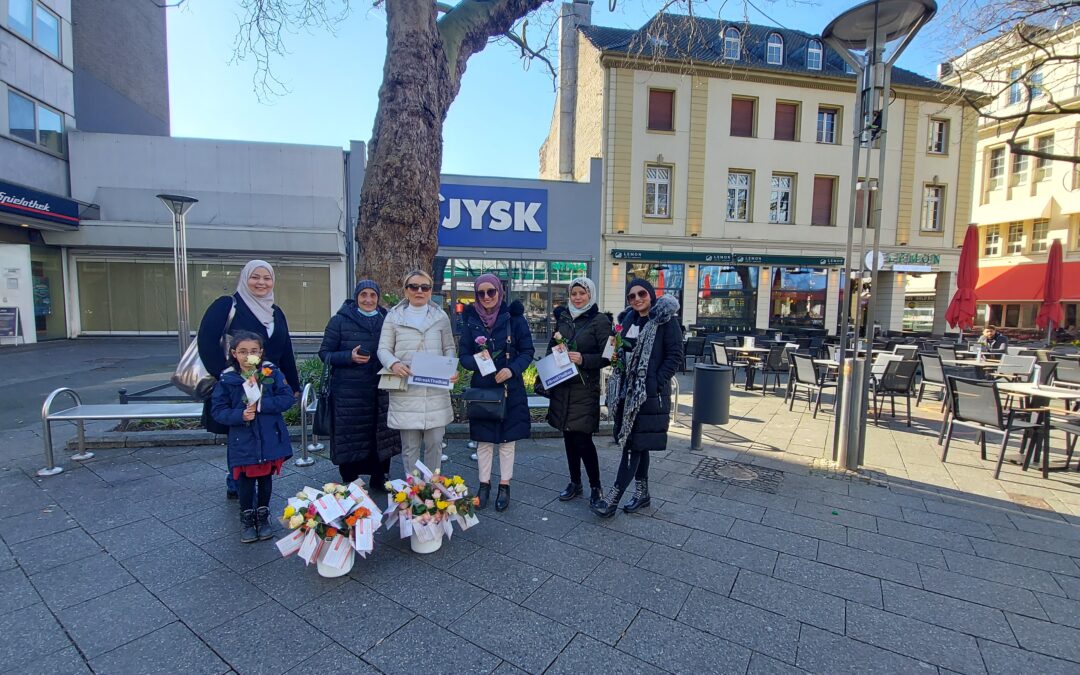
(372, 313)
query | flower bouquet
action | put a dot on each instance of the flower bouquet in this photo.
(329, 526)
(426, 504)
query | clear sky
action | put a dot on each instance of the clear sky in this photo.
(496, 125)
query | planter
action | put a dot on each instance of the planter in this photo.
(429, 546)
(331, 572)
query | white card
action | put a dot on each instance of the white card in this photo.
(471, 520)
(432, 370)
(346, 505)
(310, 548)
(551, 373)
(406, 527)
(364, 542)
(609, 348)
(312, 493)
(336, 553)
(328, 508)
(633, 331)
(448, 529)
(290, 543)
(424, 471)
(253, 392)
(484, 364)
(562, 357)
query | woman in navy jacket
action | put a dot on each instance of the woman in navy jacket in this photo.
(502, 329)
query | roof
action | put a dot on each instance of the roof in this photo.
(696, 39)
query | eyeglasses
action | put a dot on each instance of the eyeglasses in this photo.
(637, 296)
(248, 352)
(423, 288)
(487, 293)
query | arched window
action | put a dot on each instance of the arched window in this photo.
(774, 49)
(814, 56)
(732, 44)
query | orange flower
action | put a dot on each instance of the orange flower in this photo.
(476, 501)
(351, 520)
(267, 372)
(362, 512)
(331, 531)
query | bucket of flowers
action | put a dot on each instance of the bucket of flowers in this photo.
(426, 505)
(330, 526)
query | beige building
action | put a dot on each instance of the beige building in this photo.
(1022, 203)
(727, 170)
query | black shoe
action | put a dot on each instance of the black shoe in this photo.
(595, 496)
(483, 493)
(263, 526)
(606, 508)
(502, 500)
(572, 490)
(640, 499)
(248, 531)
(231, 494)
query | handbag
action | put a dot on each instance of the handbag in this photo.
(485, 404)
(322, 422)
(191, 376)
(388, 381)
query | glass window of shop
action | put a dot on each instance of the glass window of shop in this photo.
(727, 296)
(47, 271)
(798, 297)
(666, 278)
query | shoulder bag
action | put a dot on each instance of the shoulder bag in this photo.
(487, 403)
(191, 376)
(388, 381)
(322, 422)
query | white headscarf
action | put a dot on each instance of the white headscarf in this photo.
(262, 308)
(590, 288)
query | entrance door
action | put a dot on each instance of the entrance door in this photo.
(47, 273)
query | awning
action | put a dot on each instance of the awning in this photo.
(1023, 283)
(20, 205)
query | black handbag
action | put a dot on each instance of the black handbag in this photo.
(485, 404)
(322, 422)
(211, 424)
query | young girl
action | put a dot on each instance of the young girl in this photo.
(249, 398)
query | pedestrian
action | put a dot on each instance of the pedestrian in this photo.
(249, 398)
(650, 354)
(421, 414)
(574, 408)
(251, 308)
(361, 442)
(491, 325)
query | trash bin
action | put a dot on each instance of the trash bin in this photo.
(712, 398)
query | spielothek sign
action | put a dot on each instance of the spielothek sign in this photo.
(483, 216)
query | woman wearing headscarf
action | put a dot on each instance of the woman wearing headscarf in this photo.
(362, 443)
(650, 354)
(251, 308)
(583, 331)
(490, 325)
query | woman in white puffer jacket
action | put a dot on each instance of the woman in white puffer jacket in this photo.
(420, 413)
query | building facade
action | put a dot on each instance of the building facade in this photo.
(727, 157)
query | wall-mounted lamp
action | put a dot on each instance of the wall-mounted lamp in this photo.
(660, 158)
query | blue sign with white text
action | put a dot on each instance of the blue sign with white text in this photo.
(482, 216)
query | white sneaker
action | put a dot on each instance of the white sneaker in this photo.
(471, 445)
(473, 457)
(444, 458)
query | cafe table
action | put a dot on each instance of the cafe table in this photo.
(752, 354)
(1039, 397)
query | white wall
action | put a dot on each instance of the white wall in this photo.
(16, 287)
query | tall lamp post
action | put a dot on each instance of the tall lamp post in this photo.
(860, 36)
(179, 205)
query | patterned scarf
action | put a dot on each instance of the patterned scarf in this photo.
(629, 390)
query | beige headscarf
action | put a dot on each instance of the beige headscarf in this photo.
(262, 308)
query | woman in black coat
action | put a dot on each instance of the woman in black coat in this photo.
(361, 442)
(490, 325)
(574, 407)
(650, 355)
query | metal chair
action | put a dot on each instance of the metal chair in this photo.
(933, 374)
(808, 379)
(695, 349)
(897, 380)
(946, 353)
(1046, 373)
(1067, 373)
(976, 404)
(721, 358)
(1015, 367)
(907, 352)
(775, 364)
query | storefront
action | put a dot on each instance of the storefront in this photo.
(1010, 296)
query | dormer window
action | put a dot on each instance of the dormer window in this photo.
(814, 56)
(774, 50)
(732, 44)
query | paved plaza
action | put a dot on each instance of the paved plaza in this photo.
(758, 555)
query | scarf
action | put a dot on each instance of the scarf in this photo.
(590, 288)
(262, 308)
(488, 316)
(630, 388)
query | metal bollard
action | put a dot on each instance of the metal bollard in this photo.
(305, 400)
(712, 399)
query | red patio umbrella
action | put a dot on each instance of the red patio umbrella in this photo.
(961, 311)
(1050, 313)
(706, 285)
(659, 283)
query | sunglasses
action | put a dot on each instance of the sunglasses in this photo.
(423, 288)
(487, 293)
(637, 296)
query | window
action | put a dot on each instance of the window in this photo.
(728, 295)
(1036, 81)
(1015, 244)
(1019, 164)
(657, 191)
(20, 17)
(1040, 230)
(814, 56)
(732, 44)
(996, 168)
(798, 297)
(742, 116)
(661, 110)
(933, 203)
(21, 117)
(824, 191)
(939, 136)
(848, 68)
(781, 196)
(34, 123)
(992, 245)
(827, 125)
(666, 278)
(36, 23)
(1044, 168)
(774, 49)
(1015, 92)
(738, 196)
(786, 122)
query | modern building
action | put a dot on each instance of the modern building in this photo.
(727, 169)
(1020, 202)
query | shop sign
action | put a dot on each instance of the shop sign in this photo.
(737, 258)
(789, 260)
(483, 216)
(28, 203)
(912, 258)
(9, 322)
(670, 256)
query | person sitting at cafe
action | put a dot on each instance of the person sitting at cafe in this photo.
(993, 339)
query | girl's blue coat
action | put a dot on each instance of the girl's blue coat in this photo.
(266, 437)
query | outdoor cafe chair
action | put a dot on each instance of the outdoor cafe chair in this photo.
(694, 352)
(1015, 367)
(897, 380)
(976, 404)
(907, 352)
(946, 353)
(933, 374)
(1046, 373)
(1067, 373)
(807, 378)
(721, 358)
(775, 364)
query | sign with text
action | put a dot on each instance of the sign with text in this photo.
(9, 322)
(28, 203)
(482, 216)
(721, 258)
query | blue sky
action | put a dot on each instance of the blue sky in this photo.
(495, 127)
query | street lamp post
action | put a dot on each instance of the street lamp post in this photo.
(860, 36)
(179, 205)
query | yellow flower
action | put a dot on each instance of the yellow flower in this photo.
(458, 480)
(329, 487)
(400, 497)
(441, 505)
(451, 509)
(302, 496)
(289, 512)
(311, 522)
(295, 522)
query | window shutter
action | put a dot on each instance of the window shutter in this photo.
(785, 121)
(823, 201)
(742, 117)
(661, 114)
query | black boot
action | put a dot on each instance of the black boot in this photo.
(262, 523)
(377, 483)
(572, 490)
(231, 494)
(606, 508)
(595, 495)
(502, 500)
(640, 499)
(483, 494)
(248, 532)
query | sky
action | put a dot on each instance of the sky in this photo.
(495, 126)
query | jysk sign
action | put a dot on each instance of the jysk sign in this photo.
(480, 216)
(28, 203)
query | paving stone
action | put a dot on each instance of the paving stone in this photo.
(108, 621)
(54, 550)
(1006, 573)
(422, 588)
(1046, 638)
(866, 562)
(170, 565)
(539, 521)
(811, 527)
(824, 652)
(925, 535)
(586, 655)
(828, 579)
(804, 604)
(497, 535)
(528, 640)
(914, 638)
(208, 524)
(240, 557)
(422, 647)
(861, 506)
(81, 580)
(1071, 585)
(1046, 526)
(582, 608)
(1051, 562)
(23, 497)
(766, 665)
(836, 516)
(556, 557)
(607, 542)
(1040, 542)
(172, 649)
(696, 519)
(959, 615)
(990, 593)
(1005, 660)
(732, 552)
(679, 648)
(948, 523)
(969, 512)
(289, 582)
(16, 591)
(894, 495)
(650, 529)
(639, 587)
(743, 624)
(64, 662)
(900, 549)
(1061, 610)
(7, 560)
(728, 507)
(496, 573)
(292, 639)
(689, 568)
(766, 499)
(333, 660)
(27, 635)
(135, 538)
(381, 568)
(212, 599)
